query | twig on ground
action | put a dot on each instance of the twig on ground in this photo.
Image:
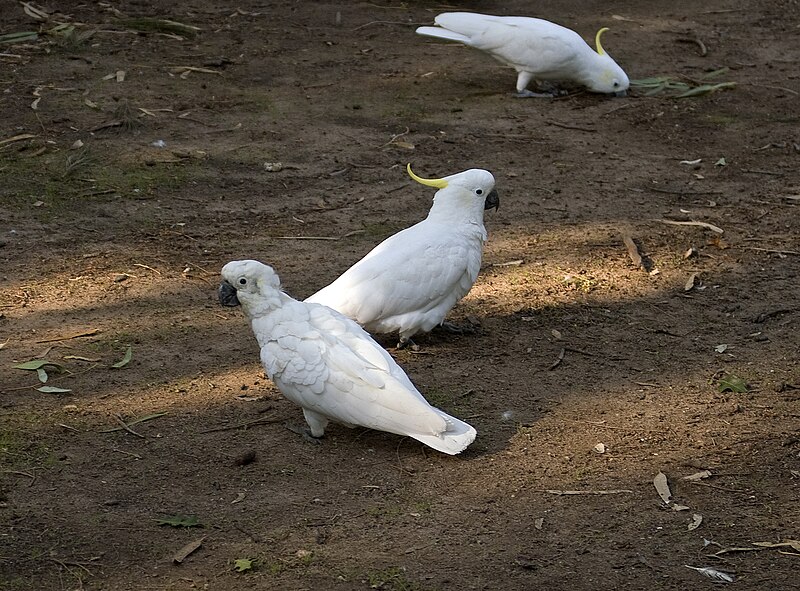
(260, 421)
(706, 225)
(558, 360)
(586, 492)
(569, 126)
(126, 426)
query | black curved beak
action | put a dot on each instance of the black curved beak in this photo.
(227, 294)
(621, 93)
(492, 201)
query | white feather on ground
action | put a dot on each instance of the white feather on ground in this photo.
(331, 367)
(537, 49)
(411, 280)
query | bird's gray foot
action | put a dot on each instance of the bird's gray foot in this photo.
(530, 94)
(304, 433)
(457, 329)
(407, 343)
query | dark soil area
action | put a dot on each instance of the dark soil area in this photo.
(136, 159)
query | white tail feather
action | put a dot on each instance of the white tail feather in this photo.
(453, 441)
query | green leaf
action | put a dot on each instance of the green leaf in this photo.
(125, 360)
(19, 37)
(733, 383)
(42, 375)
(721, 162)
(35, 364)
(716, 73)
(180, 521)
(53, 390)
(242, 564)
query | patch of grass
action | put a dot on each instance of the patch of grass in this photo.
(391, 579)
(720, 119)
(21, 446)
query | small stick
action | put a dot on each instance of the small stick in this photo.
(261, 421)
(560, 358)
(308, 237)
(568, 126)
(88, 333)
(758, 171)
(771, 250)
(581, 351)
(633, 250)
(126, 427)
(586, 492)
(680, 192)
(711, 227)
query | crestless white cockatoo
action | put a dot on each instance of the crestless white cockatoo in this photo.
(537, 49)
(411, 280)
(331, 367)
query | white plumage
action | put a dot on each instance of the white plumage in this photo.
(328, 365)
(537, 49)
(411, 280)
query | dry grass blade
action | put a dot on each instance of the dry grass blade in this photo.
(160, 25)
(77, 161)
(19, 37)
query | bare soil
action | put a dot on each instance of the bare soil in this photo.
(121, 239)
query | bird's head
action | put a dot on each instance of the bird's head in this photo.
(606, 75)
(472, 190)
(250, 284)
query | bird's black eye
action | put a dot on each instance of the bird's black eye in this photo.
(242, 281)
(616, 84)
(479, 191)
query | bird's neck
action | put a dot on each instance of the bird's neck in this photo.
(455, 210)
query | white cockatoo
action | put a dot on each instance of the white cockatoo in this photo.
(411, 280)
(537, 49)
(331, 367)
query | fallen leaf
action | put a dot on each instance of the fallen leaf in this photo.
(721, 348)
(242, 564)
(53, 390)
(697, 519)
(794, 544)
(698, 475)
(721, 162)
(690, 282)
(733, 383)
(42, 374)
(556, 334)
(662, 487)
(180, 521)
(125, 360)
(677, 507)
(181, 554)
(36, 364)
(80, 358)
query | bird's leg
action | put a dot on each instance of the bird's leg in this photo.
(524, 78)
(304, 433)
(406, 342)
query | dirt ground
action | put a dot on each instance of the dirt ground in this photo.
(135, 163)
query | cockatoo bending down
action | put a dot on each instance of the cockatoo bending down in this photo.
(331, 367)
(411, 280)
(537, 49)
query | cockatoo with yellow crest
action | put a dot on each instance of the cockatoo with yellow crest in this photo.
(328, 365)
(537, 49)
(411, 280)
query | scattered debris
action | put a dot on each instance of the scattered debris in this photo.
(690, 283)
(662, 487)
(633, 250)
(721, 162)
(713, 574)
(245, 458)
(87, 333)
(711, 227)
(241, 565)
(674, 88)
(600, 448)
(558, 360)
(126, 426)
(697, 519)
(126, 359)
(721, 348)
(698, 475)
(184, 552)
(180, 521)
(53, 390)
(732, 383)
(587, 492)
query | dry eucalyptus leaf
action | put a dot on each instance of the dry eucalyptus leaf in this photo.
(698, 475)
(662, 487)
(697, 519)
